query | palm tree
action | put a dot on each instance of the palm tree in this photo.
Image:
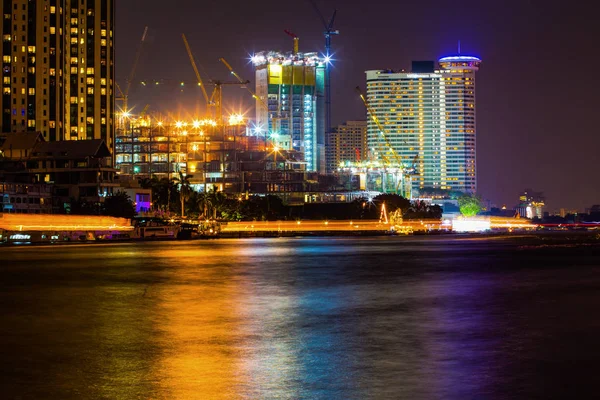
(184, 189)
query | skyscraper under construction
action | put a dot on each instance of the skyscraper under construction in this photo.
(57, 68)
(290, 109)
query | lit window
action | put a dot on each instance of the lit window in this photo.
(73, 100)
(90, 90)
(31, 123)
(31, 49)
(74, 70)
(74, 60)
(103, 81)
(90, 80)
(52, 10)
(90, 71)
(31, 91)
(52, 30)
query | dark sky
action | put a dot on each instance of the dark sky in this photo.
(537, 89)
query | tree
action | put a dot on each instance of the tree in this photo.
(184, 189)
(119, 205)
(469, 204)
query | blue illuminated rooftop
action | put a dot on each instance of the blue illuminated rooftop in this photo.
(459, 58)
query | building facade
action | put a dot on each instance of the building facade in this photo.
(290, 105)
(58, 68)
(429, 119)
(347, 142)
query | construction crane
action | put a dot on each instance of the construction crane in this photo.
(198, 77)
(329, 31)
(244, 82)
(296, 40)
(215, 100)
(397, 159)
(124, 95)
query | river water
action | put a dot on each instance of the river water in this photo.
(300, 318)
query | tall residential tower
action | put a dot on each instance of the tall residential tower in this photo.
(290, 108)
(57, 68)
(429, 116)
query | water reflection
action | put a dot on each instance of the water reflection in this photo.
(296, 318)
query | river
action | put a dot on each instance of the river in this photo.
(300, 318)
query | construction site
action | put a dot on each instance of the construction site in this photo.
(282, 150)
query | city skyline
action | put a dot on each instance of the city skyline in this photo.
(525, 45)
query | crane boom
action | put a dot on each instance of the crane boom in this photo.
(198, 77)
(379, 126)
(135, 63)
(244, 82)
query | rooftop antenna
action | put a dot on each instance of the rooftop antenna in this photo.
(459, 47)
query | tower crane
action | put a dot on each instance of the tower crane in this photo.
(242, 81)
(198, 77)
(215, 100)
(124, 95)
(397, 159)
(296, 40)
(329, 31)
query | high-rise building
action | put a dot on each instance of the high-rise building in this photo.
(427, 113)
(347, 142)
(290, 109)
(57, 68)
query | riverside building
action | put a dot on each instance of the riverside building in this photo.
(429, 119)
(57, 69)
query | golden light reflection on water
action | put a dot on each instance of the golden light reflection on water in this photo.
(200, 329)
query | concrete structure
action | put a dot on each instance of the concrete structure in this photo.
(347, 142)
(290, 109)
(429, 113)
(57, 69)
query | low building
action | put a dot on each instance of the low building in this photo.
(26, 198)
(77, 170)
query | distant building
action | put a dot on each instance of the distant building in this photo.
(429, 117)
(347, 142)
(531, 204)
(290, 109)
(57, 69)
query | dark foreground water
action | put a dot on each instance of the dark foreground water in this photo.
(327, 318)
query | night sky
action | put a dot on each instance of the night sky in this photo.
(537, 89)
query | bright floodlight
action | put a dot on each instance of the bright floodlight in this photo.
(196, 124)
(327, 59)
(236, 119)
(178, 124)
(126, 114)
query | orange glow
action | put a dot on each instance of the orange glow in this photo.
(198, 329)
(42, 222)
